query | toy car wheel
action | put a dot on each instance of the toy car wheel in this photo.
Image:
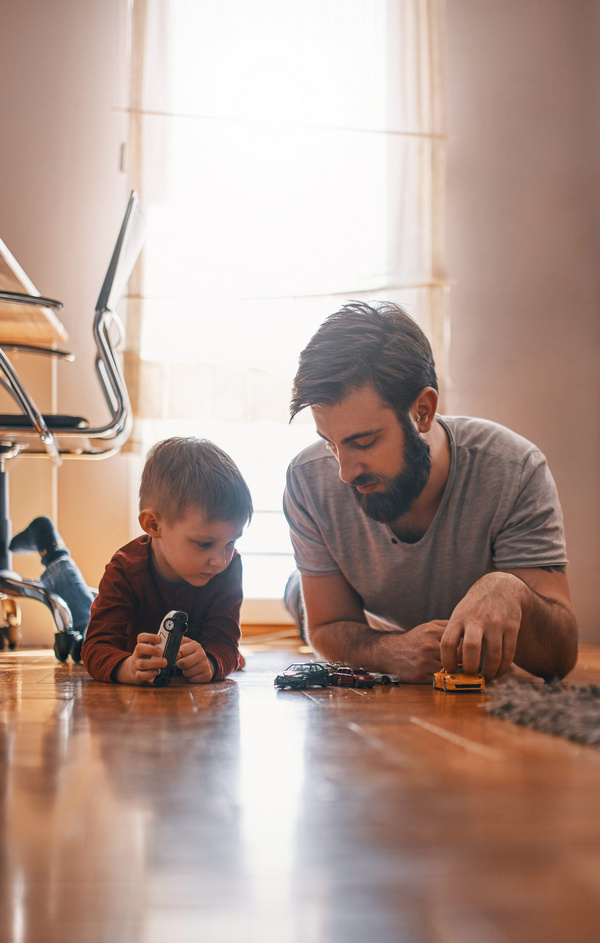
(169, 625)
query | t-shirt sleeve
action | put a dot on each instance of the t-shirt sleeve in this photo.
(310, 549)
(533, 532)
(220, 631)
(110, 636)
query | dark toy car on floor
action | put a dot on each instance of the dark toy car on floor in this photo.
(302, 676)
(345, 677)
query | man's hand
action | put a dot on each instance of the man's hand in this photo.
(417, 653)
(142, 666)
(487, 622)
(523, 615)
(193, 662)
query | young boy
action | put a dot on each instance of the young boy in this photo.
(194, 505)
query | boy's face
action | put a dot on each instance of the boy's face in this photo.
(191, 548)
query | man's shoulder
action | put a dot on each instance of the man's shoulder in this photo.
(491, 439)
(315, 452)
(315, 461)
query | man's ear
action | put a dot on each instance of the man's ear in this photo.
(150, 522)
(423, 409)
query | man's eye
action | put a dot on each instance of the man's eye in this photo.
(365, 444)
(204, 546)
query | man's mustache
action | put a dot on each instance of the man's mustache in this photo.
(361, 481)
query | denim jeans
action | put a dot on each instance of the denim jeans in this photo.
(64, 578)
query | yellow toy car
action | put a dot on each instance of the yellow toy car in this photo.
(458, 681)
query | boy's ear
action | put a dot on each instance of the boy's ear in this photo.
(150, 522)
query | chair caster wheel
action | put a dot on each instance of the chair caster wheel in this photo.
(76, 643)
(62, 645)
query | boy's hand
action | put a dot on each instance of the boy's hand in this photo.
(144, 663)
(193, 662)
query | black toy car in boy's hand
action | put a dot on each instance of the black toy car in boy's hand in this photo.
(172, 629)
(302, 676)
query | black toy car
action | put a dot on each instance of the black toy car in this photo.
(302, 676)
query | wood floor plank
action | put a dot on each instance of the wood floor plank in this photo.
(236, 811)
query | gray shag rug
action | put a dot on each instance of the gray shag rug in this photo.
(572, 712)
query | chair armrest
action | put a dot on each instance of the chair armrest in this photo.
(32, 349)
(38, 301)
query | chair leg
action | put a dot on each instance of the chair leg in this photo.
(11, 622)
(66, 642)
(11, 584)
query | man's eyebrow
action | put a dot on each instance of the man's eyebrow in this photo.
(355, 435)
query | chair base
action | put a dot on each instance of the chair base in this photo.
(11, 584)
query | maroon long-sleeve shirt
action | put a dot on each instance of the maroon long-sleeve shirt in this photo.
(133, 598)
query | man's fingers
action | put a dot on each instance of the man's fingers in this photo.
(508, 653)
(449, 644)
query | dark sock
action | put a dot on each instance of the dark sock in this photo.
(41, 535)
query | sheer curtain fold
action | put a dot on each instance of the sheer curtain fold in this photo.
(289, 156)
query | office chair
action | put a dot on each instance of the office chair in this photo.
(65, 436)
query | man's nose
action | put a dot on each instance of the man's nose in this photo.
(350, 467)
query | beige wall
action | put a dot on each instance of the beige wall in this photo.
(63, 76)
(523, 230)
(523, 234)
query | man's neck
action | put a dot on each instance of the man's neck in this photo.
(413, 525)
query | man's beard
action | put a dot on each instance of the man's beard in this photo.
(402, 491)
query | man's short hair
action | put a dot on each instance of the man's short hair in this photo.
(183, 472)
(362, 343)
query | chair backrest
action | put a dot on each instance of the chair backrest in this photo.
(127, 249)
(72, 436)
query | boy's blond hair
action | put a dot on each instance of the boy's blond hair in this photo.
(184, 472)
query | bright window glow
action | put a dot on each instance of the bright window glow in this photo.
(268, 161)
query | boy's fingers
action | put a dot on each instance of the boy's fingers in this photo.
(148, 651)
(150, 662)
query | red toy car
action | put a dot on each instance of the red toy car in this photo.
(344, 677)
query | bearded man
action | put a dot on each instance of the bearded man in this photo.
(422, 540)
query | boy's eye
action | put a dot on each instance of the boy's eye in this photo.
(204, 545)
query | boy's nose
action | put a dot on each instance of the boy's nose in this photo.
(218, 557)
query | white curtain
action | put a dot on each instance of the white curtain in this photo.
(290, 156)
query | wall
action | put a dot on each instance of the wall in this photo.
(63, 72)
(523, 232)
(522, 242)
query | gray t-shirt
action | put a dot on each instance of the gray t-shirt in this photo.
(499, 509)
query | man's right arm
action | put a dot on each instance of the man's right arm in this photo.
(338, 630)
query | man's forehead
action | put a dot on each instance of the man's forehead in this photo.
(360, 413)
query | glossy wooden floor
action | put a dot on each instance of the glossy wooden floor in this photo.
(233, 812)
